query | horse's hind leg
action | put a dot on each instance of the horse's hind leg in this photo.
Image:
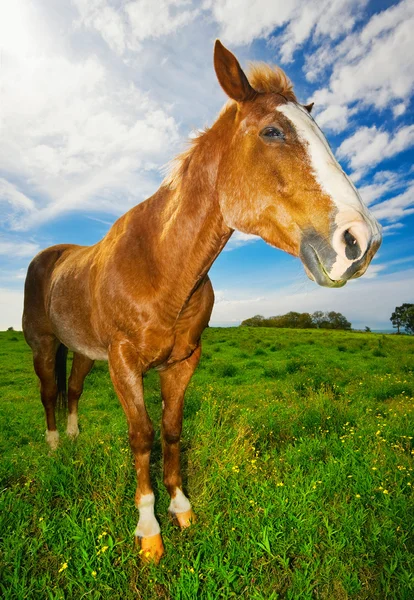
(174, 382)
(81, 366)
(44, 359)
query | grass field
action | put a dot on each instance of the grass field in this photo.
(297, 457)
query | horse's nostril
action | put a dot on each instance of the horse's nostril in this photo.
(352, 249)
(349, 238)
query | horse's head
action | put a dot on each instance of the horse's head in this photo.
(279, 179)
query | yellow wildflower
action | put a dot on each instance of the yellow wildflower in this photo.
(63, 567)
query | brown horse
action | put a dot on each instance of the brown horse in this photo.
(141, 297)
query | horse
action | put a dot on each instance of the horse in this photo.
(141, 297)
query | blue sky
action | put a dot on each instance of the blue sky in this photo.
(98, 95)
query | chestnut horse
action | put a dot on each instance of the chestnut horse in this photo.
(141, 297)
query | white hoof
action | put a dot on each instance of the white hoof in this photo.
(52, 438)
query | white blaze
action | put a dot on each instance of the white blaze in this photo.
(351, 214)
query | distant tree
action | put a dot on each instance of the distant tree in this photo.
(10, 329)
(292, 319)
(305, 321)
(367, 329)
(338, 321)
(318, 318)
(334, 320)
(408, 320)
(256, 321)
(399, 317)
(296, 320)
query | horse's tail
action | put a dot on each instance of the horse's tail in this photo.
(60, 376)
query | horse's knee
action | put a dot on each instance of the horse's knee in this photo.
(172, 436)
(141, 441)
(74, 391)
(48, 393)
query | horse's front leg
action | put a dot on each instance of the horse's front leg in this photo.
(126, 375)
(174, 382)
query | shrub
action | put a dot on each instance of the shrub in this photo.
(228, 371)
(272, 372)
(294, 365)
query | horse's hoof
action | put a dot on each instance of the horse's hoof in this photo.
(52, 438)
(184, 519)
(72, 435)
(152, 548)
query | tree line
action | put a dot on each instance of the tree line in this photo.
(295, 320)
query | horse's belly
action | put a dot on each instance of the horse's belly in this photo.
(92, 351)
(82, 344)
(70, 316)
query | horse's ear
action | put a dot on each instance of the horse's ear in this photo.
(230, 75)
(309, 107)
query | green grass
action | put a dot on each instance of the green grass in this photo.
(297, 457)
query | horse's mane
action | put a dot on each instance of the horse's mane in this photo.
(270, 79)
(263, 78)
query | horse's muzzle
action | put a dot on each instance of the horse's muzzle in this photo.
(318, 257)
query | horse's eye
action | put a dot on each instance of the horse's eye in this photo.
(272, 133)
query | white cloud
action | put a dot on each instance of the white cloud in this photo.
(77, 134)
(242, 21)
(155, 19)
(17, 204)
(240, 239)
(99, 15)
(396, 208)
(372, 67)
(10, 277)
(391, 229)
(126, 26)
(334, 117)
(369, 146)
(382, 183)
(319, 19)
(399, 109)
(14, 249)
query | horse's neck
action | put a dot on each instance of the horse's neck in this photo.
(192, 234)
(180, 231)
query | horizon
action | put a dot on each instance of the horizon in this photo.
(98, 97)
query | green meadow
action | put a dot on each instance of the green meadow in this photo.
(297, 456)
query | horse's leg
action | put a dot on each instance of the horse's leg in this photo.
(44, 359)
(81, 366)
(174, 382)
(126, 375)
